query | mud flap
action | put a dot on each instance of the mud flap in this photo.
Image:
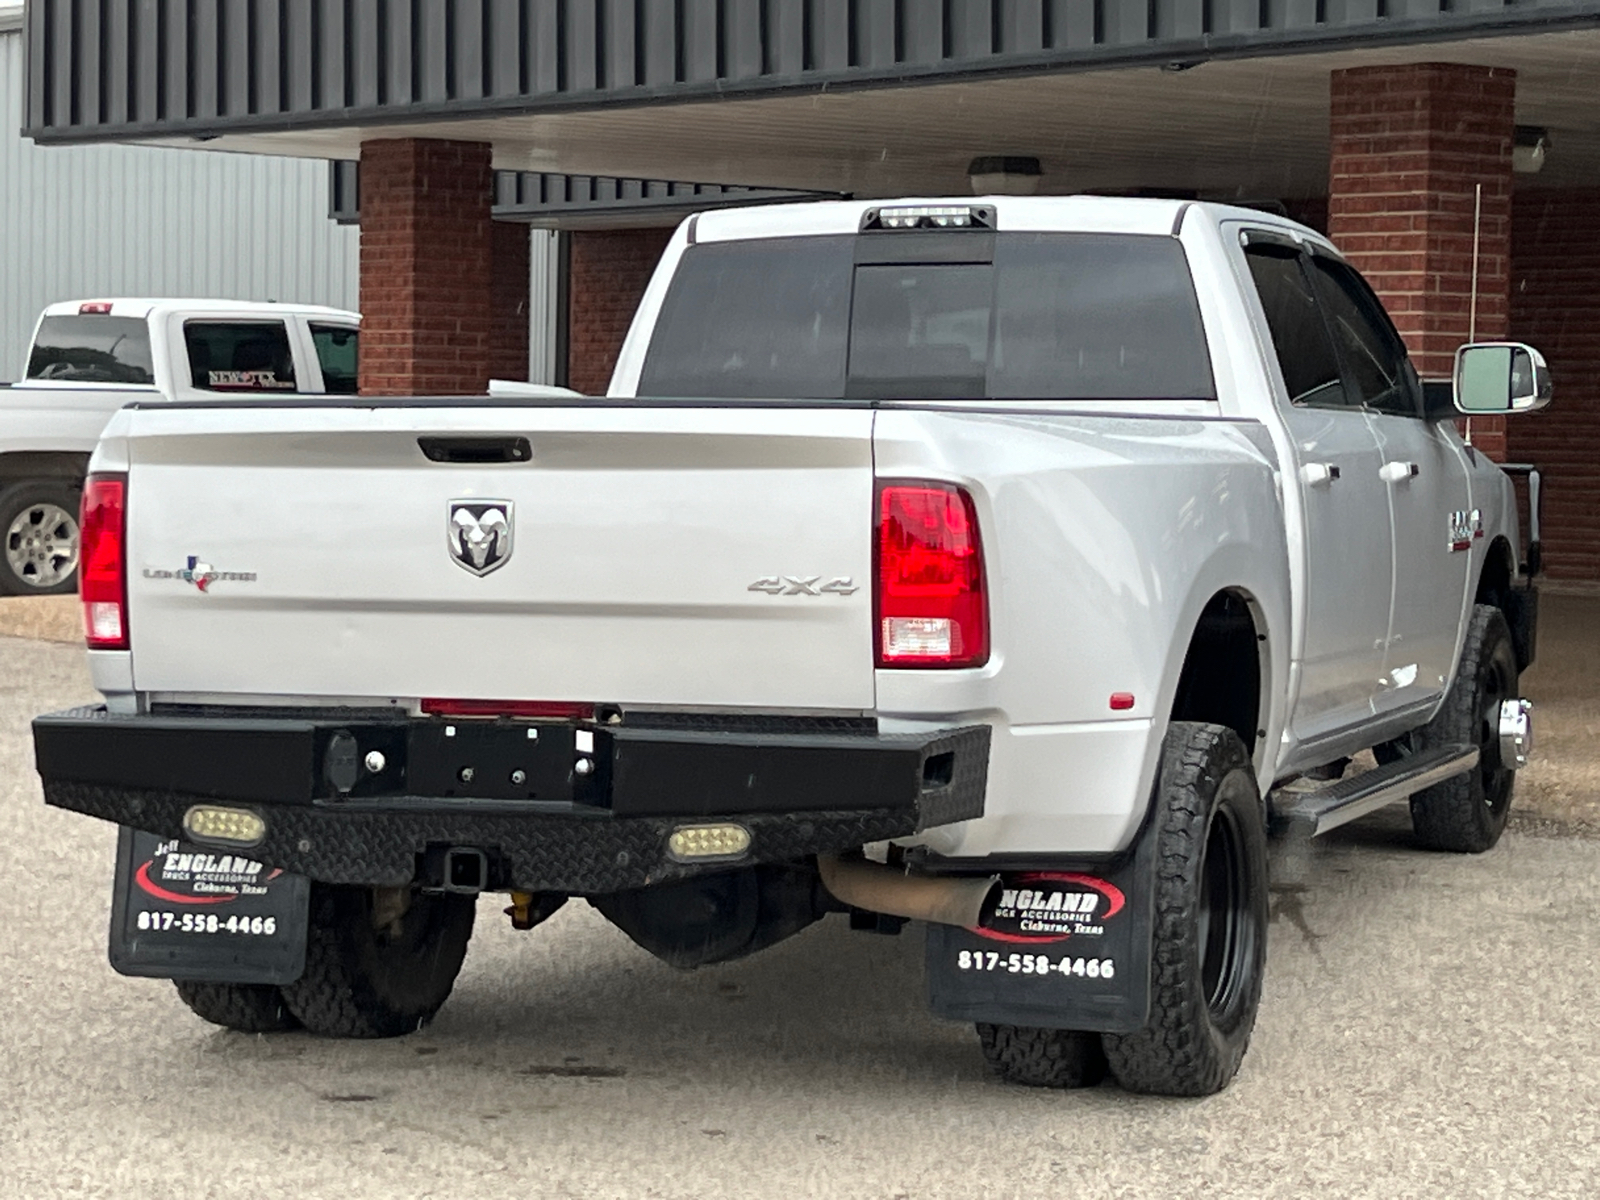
(180, 911)
(1063, 947)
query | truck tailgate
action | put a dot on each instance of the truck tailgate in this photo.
(335, 554)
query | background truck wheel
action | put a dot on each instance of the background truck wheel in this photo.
(242, 1007)
(376, 967)
(1467, 814)
(1210, 940)
(39, 536)
(1057, 1058)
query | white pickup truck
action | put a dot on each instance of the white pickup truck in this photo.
(1012, 565)
(90, 357)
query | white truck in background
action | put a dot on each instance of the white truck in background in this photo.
(90, 357)
(1010, 564)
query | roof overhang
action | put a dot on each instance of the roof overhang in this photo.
(870, 99)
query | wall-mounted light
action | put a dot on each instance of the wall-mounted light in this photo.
(1004, 175)
(1529, 145)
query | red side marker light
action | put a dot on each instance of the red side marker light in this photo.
(103, 581)
(1121, 701)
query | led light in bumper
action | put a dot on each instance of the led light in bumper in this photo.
(229, 826)
(699, 843)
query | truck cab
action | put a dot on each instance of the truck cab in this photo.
(88, 358)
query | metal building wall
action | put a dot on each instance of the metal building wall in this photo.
(133, 220)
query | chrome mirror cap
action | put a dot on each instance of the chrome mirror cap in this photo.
(1496, 378)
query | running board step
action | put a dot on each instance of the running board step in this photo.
(1309, 813)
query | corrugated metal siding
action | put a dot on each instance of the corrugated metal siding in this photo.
(131, 220)
(103, 69)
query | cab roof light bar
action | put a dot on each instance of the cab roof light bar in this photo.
(928, 216)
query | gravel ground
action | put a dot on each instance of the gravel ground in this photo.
(1428, 1030)
(1560, 786)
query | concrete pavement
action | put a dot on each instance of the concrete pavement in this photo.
(1431, 1027)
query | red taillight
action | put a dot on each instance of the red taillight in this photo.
(102, 570)
(555, 710)
(930, 605)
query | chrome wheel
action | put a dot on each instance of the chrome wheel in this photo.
(42, 546)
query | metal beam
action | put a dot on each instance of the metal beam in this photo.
(578, 201)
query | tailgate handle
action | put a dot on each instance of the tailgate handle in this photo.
(476, 449)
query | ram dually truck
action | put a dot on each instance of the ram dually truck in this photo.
(1010, 565)
(88, 358)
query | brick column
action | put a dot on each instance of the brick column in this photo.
(508, 301)
(425, 267)
(609, 270)
(1409, 146)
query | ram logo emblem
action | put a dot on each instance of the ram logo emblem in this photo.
(479, 534)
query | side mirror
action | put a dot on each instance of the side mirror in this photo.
(1500, 377)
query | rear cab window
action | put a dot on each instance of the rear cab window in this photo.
(92, 349)
(908, 315)
(239, 356)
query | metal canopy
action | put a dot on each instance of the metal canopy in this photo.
(103, 70)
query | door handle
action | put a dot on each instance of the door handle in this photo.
(1319, 474)
(1394, 472)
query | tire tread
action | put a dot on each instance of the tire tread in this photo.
(1176, 1053)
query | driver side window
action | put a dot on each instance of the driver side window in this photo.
(1374, 356)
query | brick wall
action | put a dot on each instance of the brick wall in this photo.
(608, 273)
(1409, 146)
(425, 267)
(1555, 306)
(508, 301)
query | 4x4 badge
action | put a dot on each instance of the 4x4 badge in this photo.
(479, 534)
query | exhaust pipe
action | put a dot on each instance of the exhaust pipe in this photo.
(882, 889)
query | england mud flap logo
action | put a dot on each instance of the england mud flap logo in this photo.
(1050, 907)
(180, 876)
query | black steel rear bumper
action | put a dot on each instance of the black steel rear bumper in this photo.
(591, 830)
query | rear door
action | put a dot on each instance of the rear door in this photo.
(647, 555)
(1348, 547)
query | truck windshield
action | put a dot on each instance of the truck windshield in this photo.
(92, 349)
(1042, 316)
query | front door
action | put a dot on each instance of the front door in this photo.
(1348, 549)
(1425, 478)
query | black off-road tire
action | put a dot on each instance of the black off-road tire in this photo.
(1053, 1058)
(361, 981)
(1467, 814)
(38, 496)
(241, 1007)
(1209, 947)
